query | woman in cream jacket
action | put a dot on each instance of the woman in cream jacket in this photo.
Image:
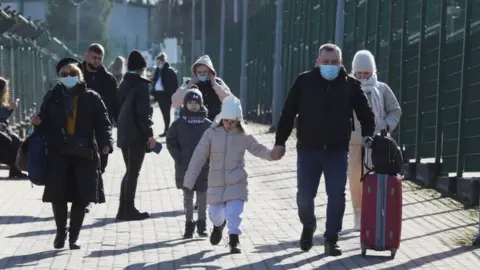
(387, 115)
(213, 89)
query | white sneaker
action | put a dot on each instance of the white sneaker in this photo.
(357, 213)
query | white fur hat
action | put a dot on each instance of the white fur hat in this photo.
(364, 61)
(231, 109)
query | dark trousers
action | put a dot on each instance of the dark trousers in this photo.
(103, 162)
(310, 166)
(133, 157)
(165, 103)
(77, 215)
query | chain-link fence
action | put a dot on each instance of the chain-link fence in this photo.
(28, 55)
(427, 51)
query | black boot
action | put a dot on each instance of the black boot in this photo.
(189, 229)
(306, 240)
(121, 211)
(202, 228)
(217, 233)
(77, 214)
(131, 213)
(332, 249)
(14, 172)
(60, 211)
(233, 243)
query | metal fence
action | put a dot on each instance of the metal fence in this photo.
(28, 55)
(427, 51)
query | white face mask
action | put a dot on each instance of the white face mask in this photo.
(69, 81)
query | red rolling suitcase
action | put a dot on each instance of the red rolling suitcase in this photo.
(381, 217)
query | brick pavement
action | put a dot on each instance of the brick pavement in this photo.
(432, 226)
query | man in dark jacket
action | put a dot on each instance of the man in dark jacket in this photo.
(164, 85)
(102, 82)
(324, 99)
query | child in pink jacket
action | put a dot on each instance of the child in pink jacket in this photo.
(224, 143)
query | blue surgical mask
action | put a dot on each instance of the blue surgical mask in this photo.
(329, 72)
(69, 81)
(202, 78)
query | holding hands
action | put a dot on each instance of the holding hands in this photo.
(278, 152)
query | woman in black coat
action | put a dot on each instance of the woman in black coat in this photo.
(134, 132)
(9, 141)
(76, 126)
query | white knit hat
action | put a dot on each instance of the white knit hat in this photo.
(231, 109)
(364, 61)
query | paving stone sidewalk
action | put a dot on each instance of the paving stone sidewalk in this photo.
(432, 226)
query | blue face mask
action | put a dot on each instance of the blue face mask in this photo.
(329, 72)
(202, 78)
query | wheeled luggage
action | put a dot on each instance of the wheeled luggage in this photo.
(381, 217)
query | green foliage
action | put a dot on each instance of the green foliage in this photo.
(61, 19)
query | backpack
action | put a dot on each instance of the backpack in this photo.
(386, 155)
(37, 159)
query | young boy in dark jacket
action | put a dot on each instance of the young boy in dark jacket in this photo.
(182, 138)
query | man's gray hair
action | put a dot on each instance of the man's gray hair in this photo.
(329, 47)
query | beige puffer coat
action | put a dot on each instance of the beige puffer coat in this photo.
(221, 90)
(227, 178)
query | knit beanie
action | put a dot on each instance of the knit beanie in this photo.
(231, 109)
(364, 61)
(67, 61)
(136, 61)
(193, 94)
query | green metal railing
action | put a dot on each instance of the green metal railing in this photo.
(28, 55)
(427, 51)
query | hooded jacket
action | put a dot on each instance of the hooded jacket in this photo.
(212, 95)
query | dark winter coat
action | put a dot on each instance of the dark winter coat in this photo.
(169, 79)
(105, 84)
(182, 139)
(134, 125)
(9, 140)
(325, 111)
(72, 178)
(5, 113)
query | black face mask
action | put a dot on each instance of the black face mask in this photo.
(92, 67)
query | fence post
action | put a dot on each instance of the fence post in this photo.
(476, 241)
(204, 23)
(243, 76)
(403, 47)
(420, 72)
(439, 102)
(193, 32)
(222, 37)
(376, 48)
(365, 33)
(463, 86)
(278, 95)
(340, 23)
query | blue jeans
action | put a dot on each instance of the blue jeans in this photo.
(310, 166)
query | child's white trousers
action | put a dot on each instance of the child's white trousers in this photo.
(230, 211)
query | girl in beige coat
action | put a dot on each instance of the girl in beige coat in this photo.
(387, 115)
(225, 144)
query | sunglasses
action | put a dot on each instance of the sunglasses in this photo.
(68, 74)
